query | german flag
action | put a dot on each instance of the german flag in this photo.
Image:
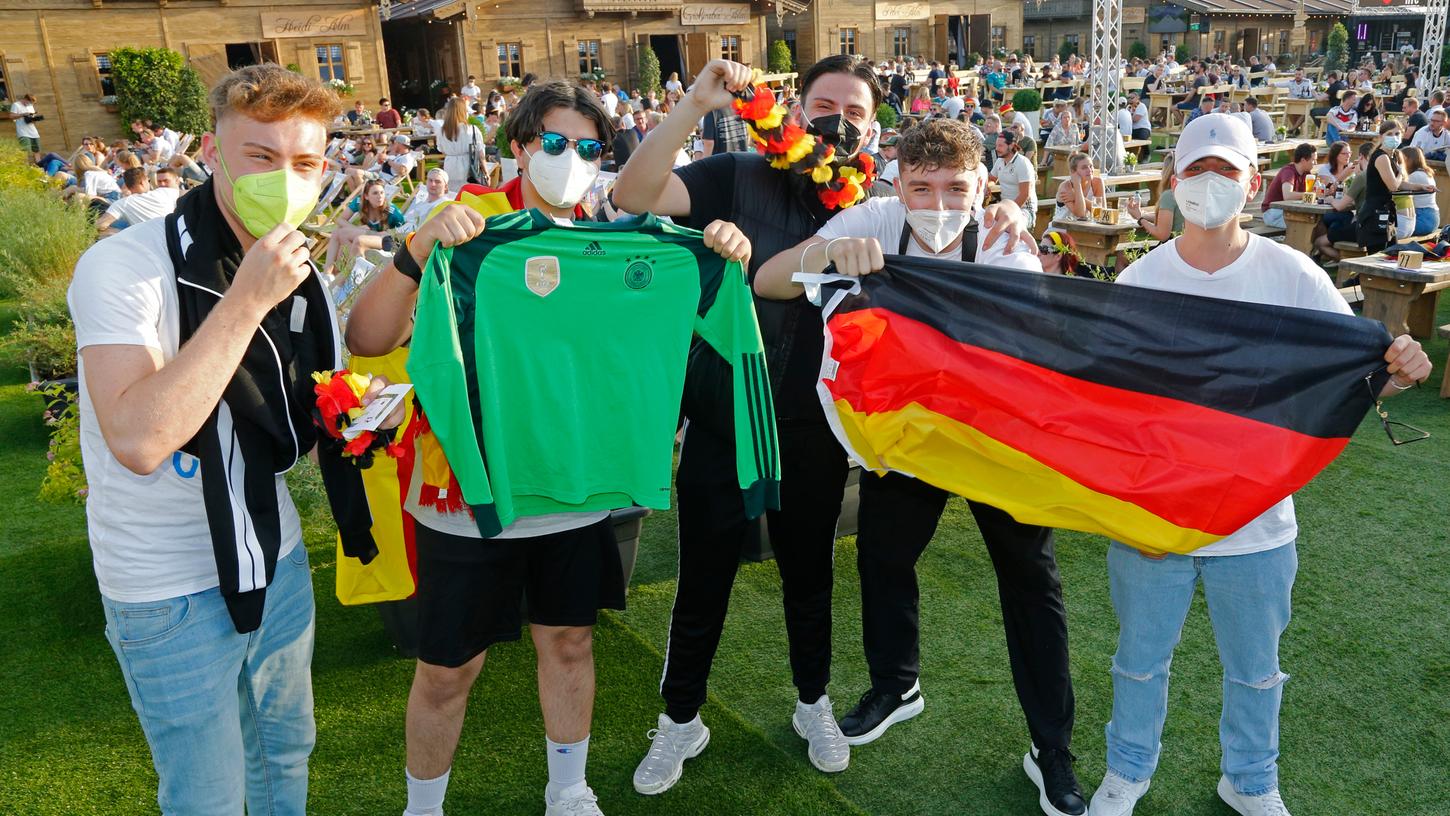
(1165, 421)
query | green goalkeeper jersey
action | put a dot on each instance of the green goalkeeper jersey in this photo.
(550, 361)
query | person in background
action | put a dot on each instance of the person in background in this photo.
(1385, 179)
(423, 123)
(1337, 167)
(1076, 193)
(387, 118)
(1167, 220)
(626, 140)
(363, 224)
(674, 84)
(359, 116)
(1248, 576)
(1368, 110)
(1288, 183)
(1138, 115)
(93, 185)
(141, 202)
(1206, 105)
(1330, 98)
(1058, 253)
(725, 132)
(1260, 123)
(1434, 139)
(1427, 211)
(1338, 224)
(1344, 117)
(1015, 173)
(433, 192)
(22, 111)
(1414, 118)
(470, 89)
(459, 141)
(1026, 144)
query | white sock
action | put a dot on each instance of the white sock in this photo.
(425, 796)
(566, 766)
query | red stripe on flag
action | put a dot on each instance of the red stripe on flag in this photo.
(1193, 466)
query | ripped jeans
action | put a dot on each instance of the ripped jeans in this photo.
(1248, 603)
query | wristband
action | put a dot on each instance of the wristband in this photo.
(407, 266)
(1412, 384)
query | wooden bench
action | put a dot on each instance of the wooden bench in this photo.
(1351, 294)
(1444, 332)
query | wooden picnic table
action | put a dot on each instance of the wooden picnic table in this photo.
(1357, 138)
(1442, 188)
(1124, 179)
(1402, 299)
(1300, 107)
(1061, 153)
(1288, 145)
(1098, 243)
(1300, 219)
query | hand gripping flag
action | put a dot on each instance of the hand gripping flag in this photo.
(1163, 420)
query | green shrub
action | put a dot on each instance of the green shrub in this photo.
(157, 84)
(17, 172)
(65, 477)
(973, 60)
(1138, 50)
(1027, 100)
(649, 70)
(501, 141)
(40, 237)
(1336, 54)
(1181, 53)
(1066, 50)
(886, 116)
(42, 337)
(779, 59)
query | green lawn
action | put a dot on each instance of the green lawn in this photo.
(1363, 729)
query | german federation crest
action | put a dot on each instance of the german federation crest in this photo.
(541, 274)
(639, 272)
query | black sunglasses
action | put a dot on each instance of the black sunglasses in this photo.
(556, 143)
(1415, 434)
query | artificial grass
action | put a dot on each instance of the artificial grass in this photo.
(1363, 724)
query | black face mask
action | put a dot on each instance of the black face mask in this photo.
(837, 131)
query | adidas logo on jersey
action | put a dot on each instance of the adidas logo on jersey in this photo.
(594, 250)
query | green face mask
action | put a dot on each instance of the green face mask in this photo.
(264, 200)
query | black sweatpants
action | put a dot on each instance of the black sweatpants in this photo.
(712, 535)
(898, 517)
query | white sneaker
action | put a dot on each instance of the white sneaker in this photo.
(671, 744)
(816, 724)
(576, 801)
(1116, 796)
(1268, 804)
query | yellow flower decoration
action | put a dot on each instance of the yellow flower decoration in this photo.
(822, 174)
(357, 382)
(852, 175)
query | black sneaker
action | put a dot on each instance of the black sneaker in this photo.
(877, 712)
(1051, 771)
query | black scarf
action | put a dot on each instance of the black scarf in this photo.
(263, 423)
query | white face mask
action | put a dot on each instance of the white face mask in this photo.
(938, 228)
(1390, 142)
(561, 180)
(1209, 199)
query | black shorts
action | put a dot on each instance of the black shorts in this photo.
(471, 591)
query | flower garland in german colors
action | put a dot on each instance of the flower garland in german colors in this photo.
(339, 403)
(789, 147)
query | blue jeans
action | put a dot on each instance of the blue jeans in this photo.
(1427, 220)
(228, 716)
(1248, 602)
(1274, 218)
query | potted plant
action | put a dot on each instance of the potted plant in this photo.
(886, 116)
(341, 87)
(1029, 103)
(1281, 132)
(506, 158)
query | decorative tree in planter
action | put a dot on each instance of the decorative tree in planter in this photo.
(1336, 55)
(779, 58)
(649, 70)
(886, 116)
(157, 84)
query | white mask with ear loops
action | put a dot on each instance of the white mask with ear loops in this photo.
(1210, 199)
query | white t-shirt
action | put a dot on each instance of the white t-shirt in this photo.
(24, 129)
(610, 103)
(1139, 117)
(1267, 272)
(952, 107)
(883, 218)
(1010, 174)
(1301, 88)
(401, 164)
(139, 208)
(420, 206)
(1423, 200)
(1429, 142)
(149, 534)
(98, 183)
(1125, 123)
(470, 90)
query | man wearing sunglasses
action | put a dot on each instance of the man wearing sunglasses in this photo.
(566, 564)
(776, 209)
(1248, 576)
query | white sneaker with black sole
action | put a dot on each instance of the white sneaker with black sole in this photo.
(1116, 796)
(878, 711)
(670, 745)
(826, 746)
(1268, 804)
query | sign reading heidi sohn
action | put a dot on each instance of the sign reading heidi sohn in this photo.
(301, 23)
(903, 11)
(698, 14)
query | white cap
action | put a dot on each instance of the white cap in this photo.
(402, 138)
(1217, 134)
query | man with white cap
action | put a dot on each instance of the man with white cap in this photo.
(1246, 577)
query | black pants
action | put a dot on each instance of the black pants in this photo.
(899, 515)
(713, 532)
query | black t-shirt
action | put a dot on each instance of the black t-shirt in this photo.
(776, 210)
(898, 85)
(1335, 89)
(1417, 120)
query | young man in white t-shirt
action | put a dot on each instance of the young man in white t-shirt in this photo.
(1015, 173)
(227, 714)
(142, 202)
(1246, 577)
(933, 218)
(22, 111)
(470, 89)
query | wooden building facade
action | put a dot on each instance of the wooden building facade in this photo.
(432, 41)
(57, 49)
(944, 30)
